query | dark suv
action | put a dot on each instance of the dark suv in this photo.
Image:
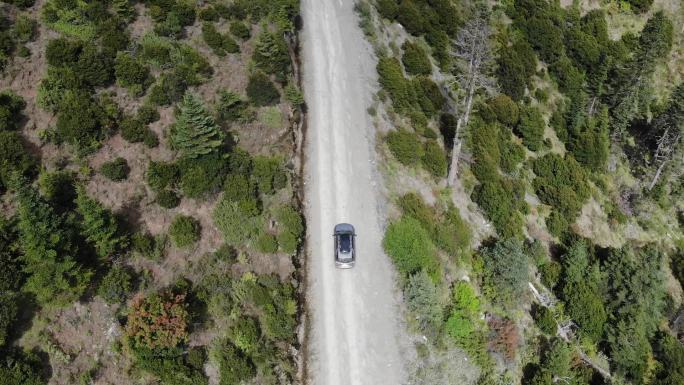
(345, 246)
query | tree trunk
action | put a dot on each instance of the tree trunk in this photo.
(456, 149)
(657, 175)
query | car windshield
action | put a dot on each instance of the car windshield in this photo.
(345, 243)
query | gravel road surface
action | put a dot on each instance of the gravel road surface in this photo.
(355, 324)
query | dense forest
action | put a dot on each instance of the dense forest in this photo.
(533, 152)
(150, 220)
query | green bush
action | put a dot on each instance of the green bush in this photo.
(234, 367)
(116, 285)
(392, 80)
(62, 52)
(167, 199)
(267, 243)
(516, 65)
(415, 59)
(238, 187)
(239, 30)
(202, 176)
(550, 273)
(268, 174)
(219, 43)
(290, 228)
(79, 121)
(409, 246)
(25, 28)
(11, 106)
(505, 109)
(245, 335)
(261, 90)
(133, 130)
(434, 159)
(405, 146)
(9, 310)
(531, 128)
(116, 170)
(149, 246)
(237, 224)
(132, 73)
(543, 317)
(14, 157)
(161, 175)
(561, 183)
(185, 231)
(147, 114)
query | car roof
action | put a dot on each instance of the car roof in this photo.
(344, 228)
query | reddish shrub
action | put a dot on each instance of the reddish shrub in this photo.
(503, 337)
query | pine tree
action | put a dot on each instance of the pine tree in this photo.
(99, 225)
(49, 252)
(195, 132)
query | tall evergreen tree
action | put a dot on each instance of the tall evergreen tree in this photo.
(195, 132)
(99, 225)
(49, 253)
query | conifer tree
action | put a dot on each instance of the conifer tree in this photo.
(49, 252)
(195, 132)
(99, 225)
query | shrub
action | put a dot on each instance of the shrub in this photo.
(132, 73)
(11, 106)
(115, 285)
(79, 121)
(148, 246)
(504, 337)
(161, 175)
(415, 59)
(158, 321)
(543, 317)
(62, 52)
(422, 300)
(116, 170)
(220, 44)
(405, 146)
(505, 109)
(531, 128)
(550, 273)
(268, 174)
(147, 114)
(561, 183)
(392, 80)
(25, 28)
(434, 159)
(9, 310)
(245, 335)
(267, 243)
(167, 199)
(94, 66)
(184, 231)
(290, 228)
(261, 90)
(238, 187)
(236, 223)
(134, 130)
(239, 30)
(233, 366)
(409, 246)
(14, 157)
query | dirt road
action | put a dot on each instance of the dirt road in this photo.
(355, 322)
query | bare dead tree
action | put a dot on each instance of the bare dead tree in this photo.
(666, 152)
(473, 51)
